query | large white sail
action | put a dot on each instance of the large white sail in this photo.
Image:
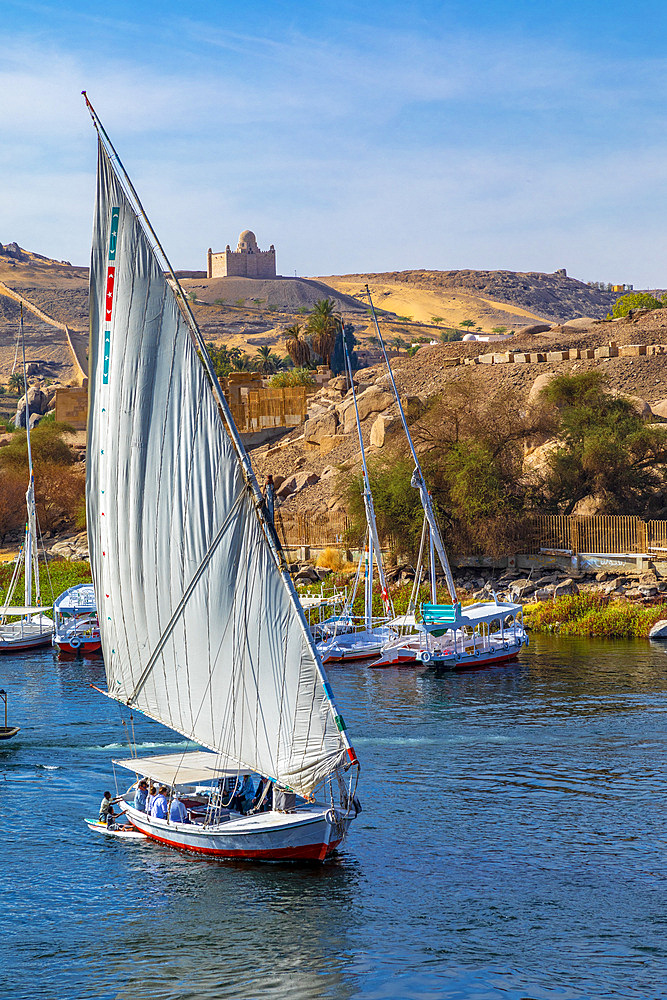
(200, 629)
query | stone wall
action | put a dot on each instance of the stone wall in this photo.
(72, 406)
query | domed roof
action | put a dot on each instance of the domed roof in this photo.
(470, 336)
(247, 236)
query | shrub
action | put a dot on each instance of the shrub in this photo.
(634, 300)
(332, 559)
(293, 377)
(593, 615)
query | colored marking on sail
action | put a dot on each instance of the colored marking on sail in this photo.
(327, 690)
(340, 722)
(107, 349)
(352, 755)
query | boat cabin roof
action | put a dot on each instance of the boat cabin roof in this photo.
(487, 611)
(78, 598)
(189, 768)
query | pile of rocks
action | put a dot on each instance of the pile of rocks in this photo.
(73, 548)
(543, 586)
(40, 402)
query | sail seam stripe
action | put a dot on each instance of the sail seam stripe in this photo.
(184, 600)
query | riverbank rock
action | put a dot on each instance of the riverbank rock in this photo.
(659, 630)
(566, 588)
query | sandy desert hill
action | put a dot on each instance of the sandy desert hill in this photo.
(490, 298)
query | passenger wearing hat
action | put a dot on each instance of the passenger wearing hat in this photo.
(141, 795)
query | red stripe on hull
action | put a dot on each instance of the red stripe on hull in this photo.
(309, 852)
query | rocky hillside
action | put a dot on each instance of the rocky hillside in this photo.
(555, 297)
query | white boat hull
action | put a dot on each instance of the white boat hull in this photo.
(25, 635)
(414, 653)
(309, 834)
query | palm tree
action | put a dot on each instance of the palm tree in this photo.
(267, 362)
(241, 362)
(297, 345)
(16, 382)
(324, 325)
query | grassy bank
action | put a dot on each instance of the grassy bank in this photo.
(594, 615)
(62, 575)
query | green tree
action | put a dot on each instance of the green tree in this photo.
(467, 322)
(266, 361)
(437, 319)
(634, 300)
(499, 329)
(604, 449)
(324, 326)
(297, 345)
(16, 383)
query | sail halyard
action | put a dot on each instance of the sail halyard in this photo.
(229, 563)
(418, 476)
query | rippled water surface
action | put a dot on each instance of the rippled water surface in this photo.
(512, 845)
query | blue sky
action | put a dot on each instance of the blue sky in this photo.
(355, 137)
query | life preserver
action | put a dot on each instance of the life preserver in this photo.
(476, 652)
(425, 657)
(75, 643)
(506, 645)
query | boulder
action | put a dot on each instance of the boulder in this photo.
(294, 484)
(37, 403)
(521, 588)
(588, 506)
(538, 459)
(34, 420)
(541, 595)
(381, 427)
(659, 630)
(536, 388)
(372, 400)
(660, 409)
(535, 328)
(324, 425)
(566, 588)
(648, 580)
(308, 574)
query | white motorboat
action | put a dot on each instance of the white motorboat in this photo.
(77, 630)
(448, 635)
(200, 623)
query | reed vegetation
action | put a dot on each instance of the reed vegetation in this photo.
(593, 615)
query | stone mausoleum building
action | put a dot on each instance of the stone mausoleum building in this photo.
(247, 261)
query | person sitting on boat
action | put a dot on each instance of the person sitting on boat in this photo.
(107, 814)
(159, 807)
(152, 793)
(178, 813)
(141, 795)
(244, 797)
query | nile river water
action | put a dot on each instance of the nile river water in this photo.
(512, 845)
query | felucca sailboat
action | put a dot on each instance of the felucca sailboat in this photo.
(448, 636)
(200, 624)
(368, 641)
(33, 628)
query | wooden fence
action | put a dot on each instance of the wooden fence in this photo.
(317, 530)
(551, 532)
(600, 533)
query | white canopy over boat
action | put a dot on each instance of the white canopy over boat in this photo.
(190, 768)
(22, 609)
(77, 600)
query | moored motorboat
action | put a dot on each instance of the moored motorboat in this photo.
(77, 630)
